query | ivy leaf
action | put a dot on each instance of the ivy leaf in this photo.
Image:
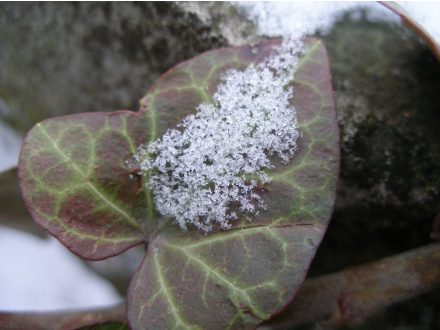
(76, 183)
(236, 278)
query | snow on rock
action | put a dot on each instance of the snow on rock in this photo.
(426, 13)
(40, 274)
(299, 18)
(276, 18)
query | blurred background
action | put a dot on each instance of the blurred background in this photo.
(62, 58)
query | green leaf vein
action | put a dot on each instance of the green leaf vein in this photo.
(70, 163)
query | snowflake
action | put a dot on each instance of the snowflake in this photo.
(206, 170)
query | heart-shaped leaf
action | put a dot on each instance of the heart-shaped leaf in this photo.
(76, 183)
(236, 278)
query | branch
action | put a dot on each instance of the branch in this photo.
(344, 298)
(61, 320)
(352, 295)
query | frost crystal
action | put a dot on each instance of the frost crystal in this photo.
(205, 171)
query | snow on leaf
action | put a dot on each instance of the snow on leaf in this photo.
(76, 184)
(233, 279)
(199, 170)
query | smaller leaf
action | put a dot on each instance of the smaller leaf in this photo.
(76, 184)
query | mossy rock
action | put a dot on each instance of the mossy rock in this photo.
(59, 58)
(386, 83)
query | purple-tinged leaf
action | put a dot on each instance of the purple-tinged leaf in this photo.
(76, 183)
(236, 278)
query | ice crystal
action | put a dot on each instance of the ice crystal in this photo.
(206, 170)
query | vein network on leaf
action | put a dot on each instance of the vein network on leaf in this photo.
(200, 171)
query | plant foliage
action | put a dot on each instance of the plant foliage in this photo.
(76, 183)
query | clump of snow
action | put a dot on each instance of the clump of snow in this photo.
(426, 13)
(41, 274)
(217, 156)
(300, 18)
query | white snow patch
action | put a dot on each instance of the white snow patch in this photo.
(282, 18)
(300, 18)
(10, 144)
(217, 156)
(41, 274)
(426, 13)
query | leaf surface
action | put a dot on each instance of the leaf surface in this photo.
(76, 183)
(236, 278)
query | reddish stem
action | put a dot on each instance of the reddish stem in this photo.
(61, 320)
(352, 295)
